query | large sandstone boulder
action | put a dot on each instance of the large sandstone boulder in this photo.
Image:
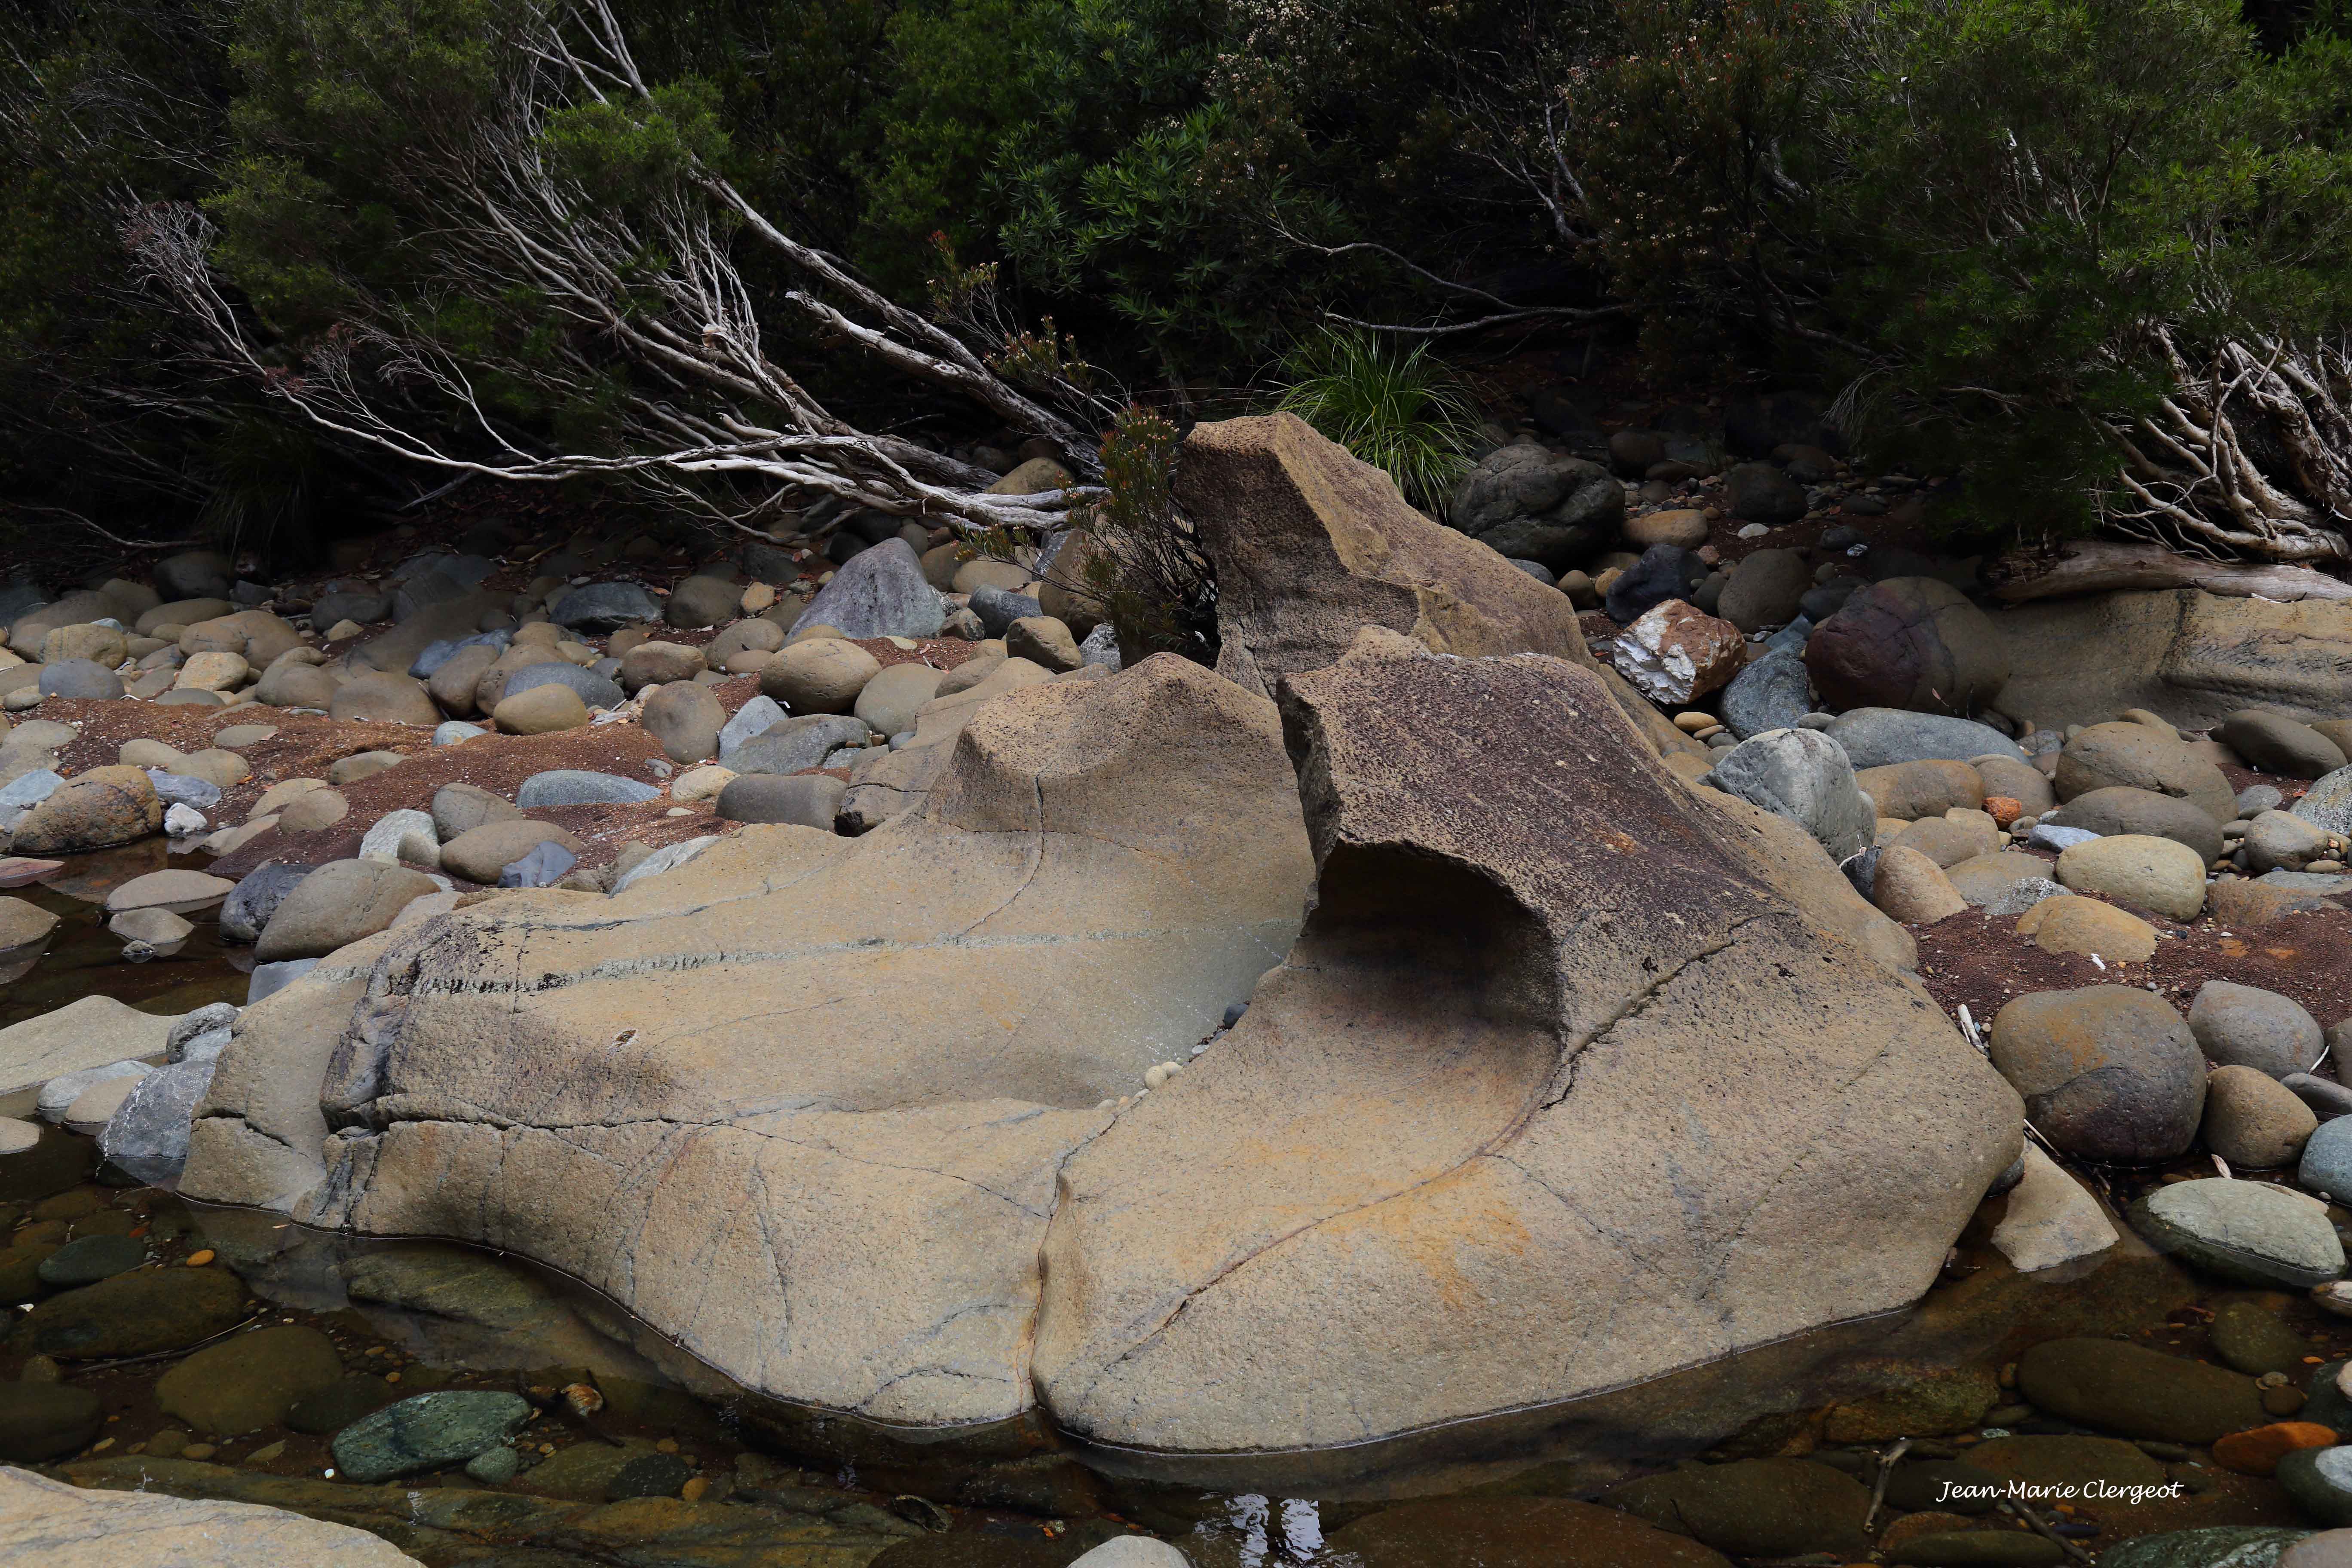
(802, 1102)
(849, 1119)
(1556, 1093)
(1310, 544)
(2193, 656)
(1908, 642)
(61, 1526)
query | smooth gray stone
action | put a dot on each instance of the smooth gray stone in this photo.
(878, 593)
(545, 864)
(147, 1134)
(179, 789)
(437, 654)
(57, 1094)
(2247, 1231)
(30, 789)
(256, 897)
(595, 689)
(2050, 836)
(1772, 693)
(1800, 775)
(579, 786)
(797, 743)
(998, 609)
(2327, 1100)
(83, 678)
(269, 978)
(449, 731)
(2256, 799)
(1876, 737)
(2324, 883)
(807, 800)
(603, 606)
(754, 717)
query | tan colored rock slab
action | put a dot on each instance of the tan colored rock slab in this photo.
(803, 1077)
(2051, 1219)
(61, 1526)
(1311, 544)
(90, 1033)
(180, 892)
(1424, 1180)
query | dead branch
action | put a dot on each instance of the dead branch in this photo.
(2104, 566)
(713, 422)
(2194, 468)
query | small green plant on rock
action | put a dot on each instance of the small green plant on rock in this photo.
(1398, 409)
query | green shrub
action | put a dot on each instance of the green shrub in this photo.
(1398, 409)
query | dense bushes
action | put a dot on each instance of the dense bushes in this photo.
(2007, 229)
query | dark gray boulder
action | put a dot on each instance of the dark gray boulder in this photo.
(80, 678)
(797, 743)
(879, 592)
(1556, 500)
(579, 786)
(1772, 693)
(256, 897)
(1875, 737)
(808, 800)
(1665, 572)
(603, 606)
(595, 689)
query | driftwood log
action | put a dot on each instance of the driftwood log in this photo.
(2101, 566)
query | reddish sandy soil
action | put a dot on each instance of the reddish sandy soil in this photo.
(307, 745)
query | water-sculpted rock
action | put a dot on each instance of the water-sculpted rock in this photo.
(1446, 1114)
(715, 1092)
(709, 1094)
(1310, 544)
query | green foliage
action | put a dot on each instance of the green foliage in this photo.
(266, 479)
(2017, 189)
(1141, 564)
(1681, 121)
(1397, 408)
(1968, 212)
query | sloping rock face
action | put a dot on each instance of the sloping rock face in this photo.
(801, 1104)
(1555, 1094)
(2193, 656)
(1310, 544)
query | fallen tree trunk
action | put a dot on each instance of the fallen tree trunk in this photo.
(2100, 566)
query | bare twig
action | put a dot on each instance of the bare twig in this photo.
(1886, 1462)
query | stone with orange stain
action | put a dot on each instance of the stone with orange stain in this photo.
(2003, 809)
(2258, 1452)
